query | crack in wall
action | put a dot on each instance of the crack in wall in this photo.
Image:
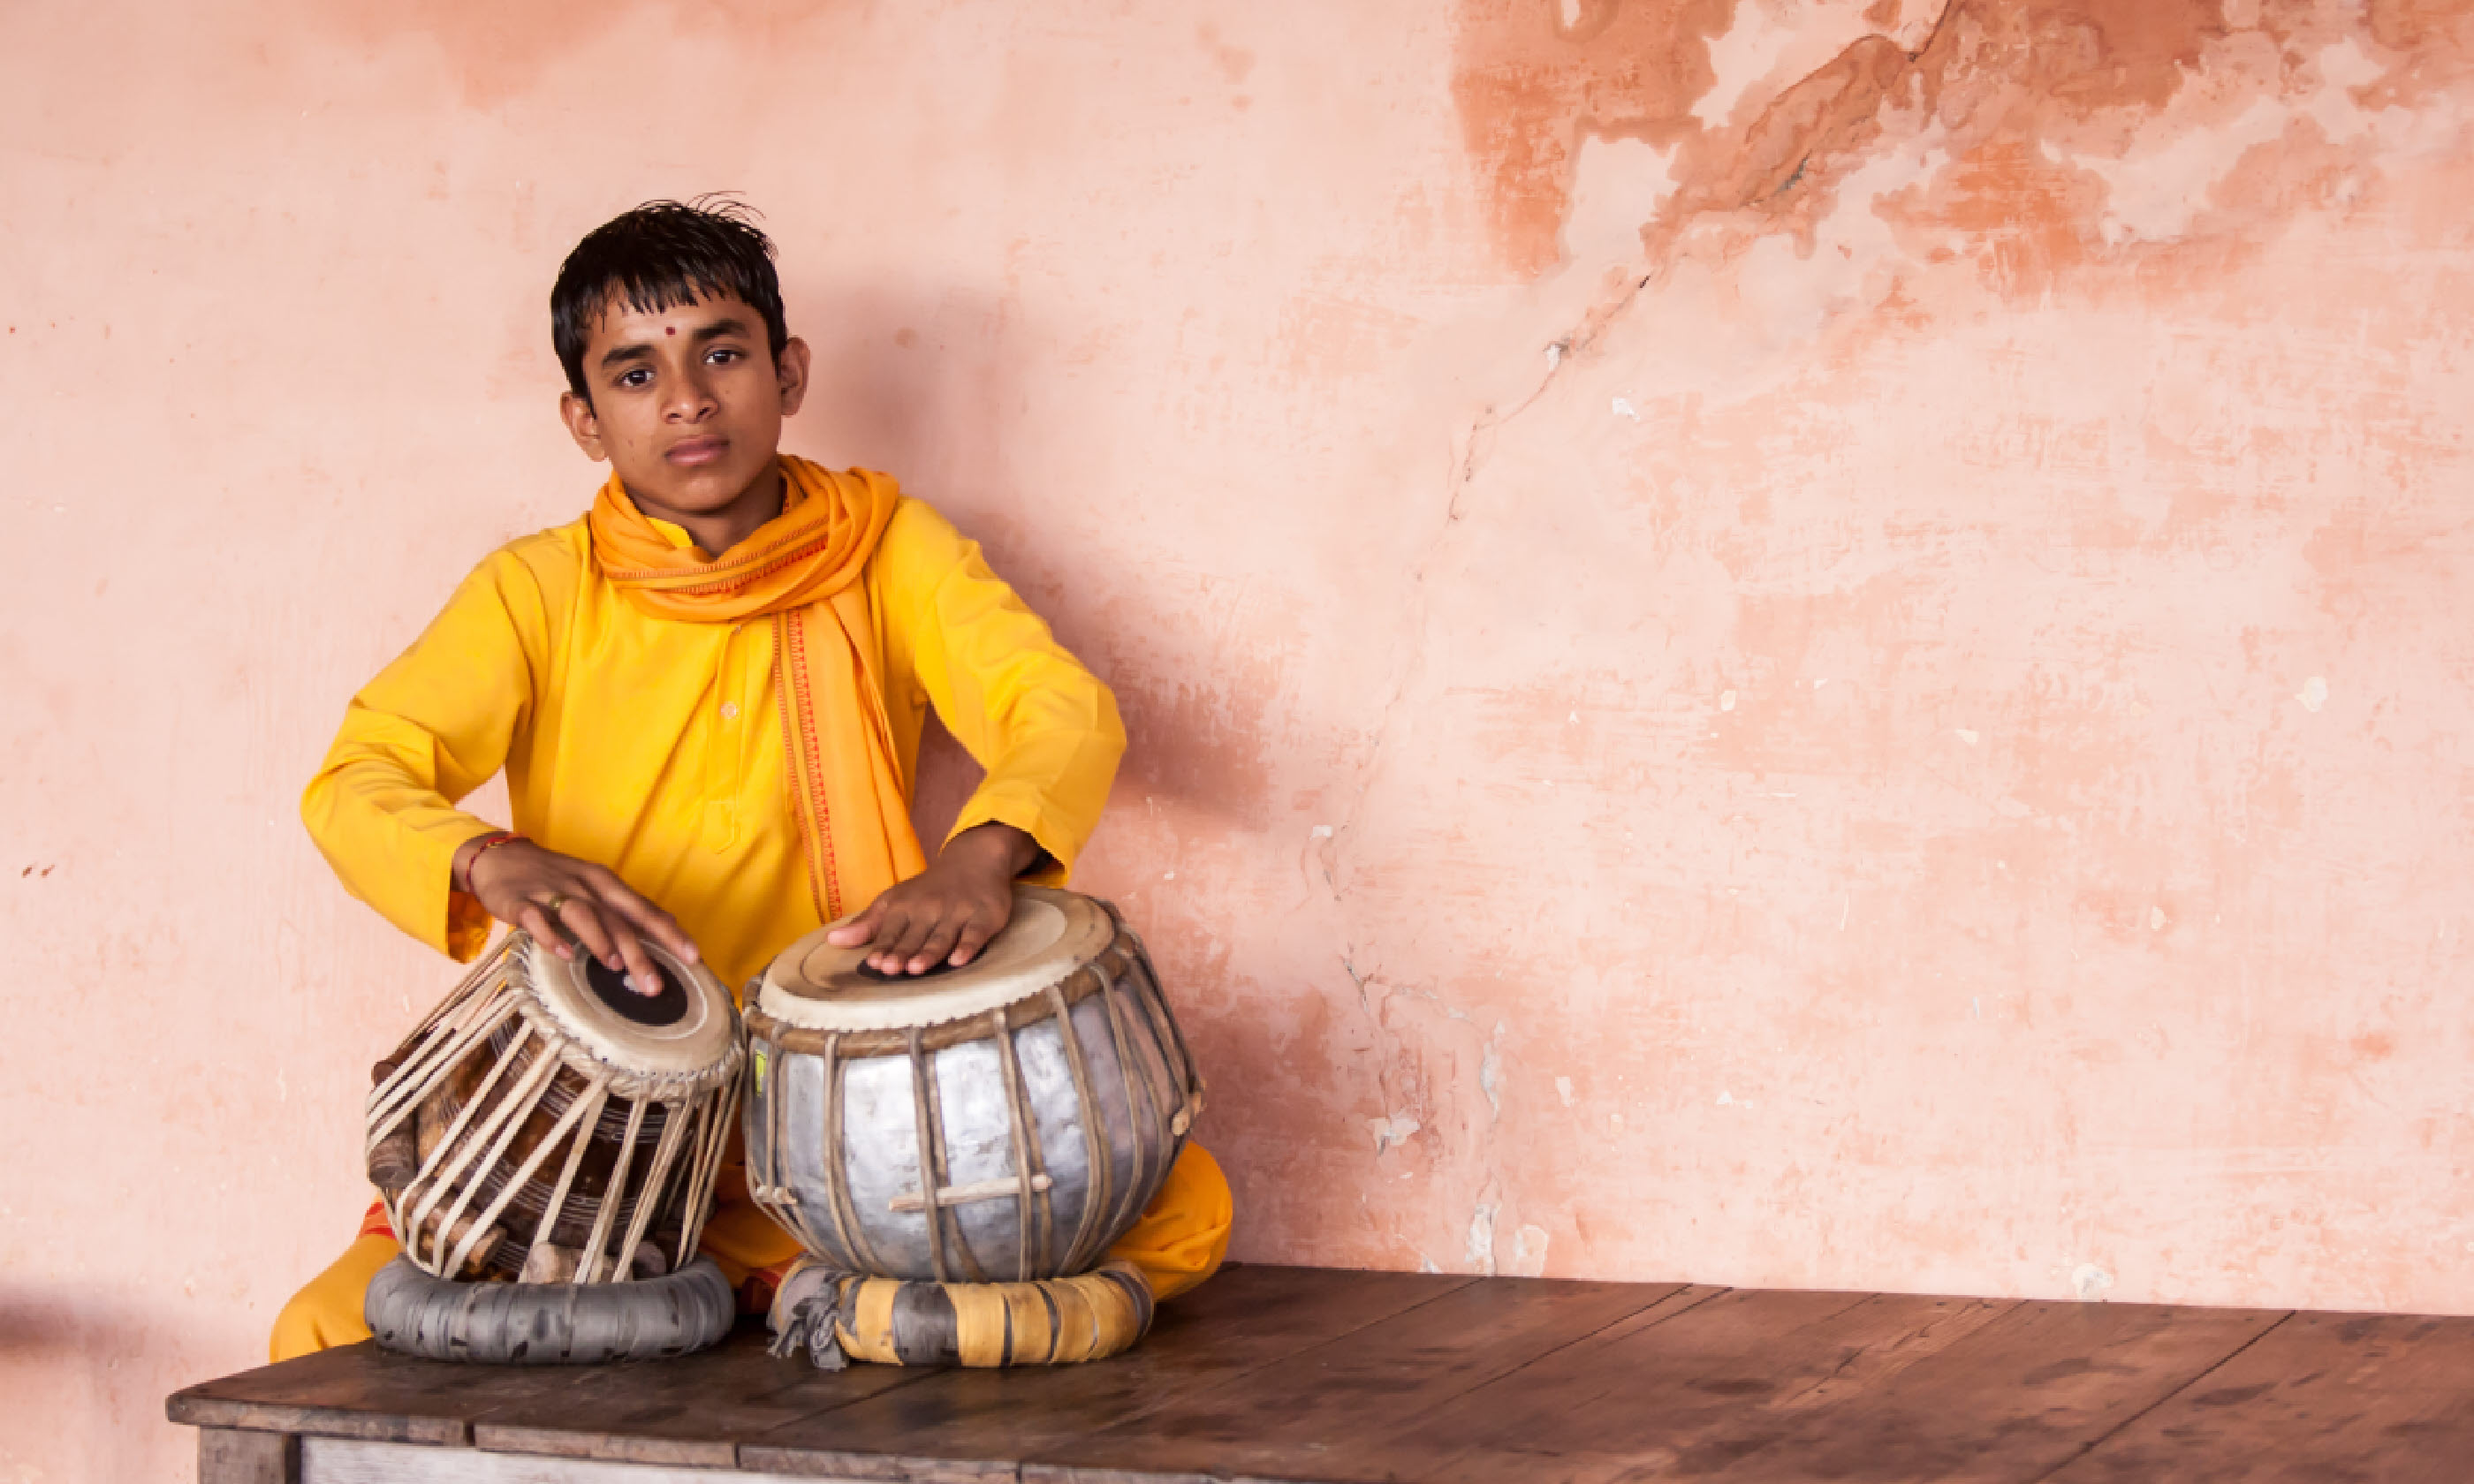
(1406, 1113)
(1562, 351)
(1878, 131)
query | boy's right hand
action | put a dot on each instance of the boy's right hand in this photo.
(563, 902)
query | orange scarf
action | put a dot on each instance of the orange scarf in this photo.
(801, 568)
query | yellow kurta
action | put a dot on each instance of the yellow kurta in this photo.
(655, 747)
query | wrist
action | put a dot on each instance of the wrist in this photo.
(468, 856)
(999, 849)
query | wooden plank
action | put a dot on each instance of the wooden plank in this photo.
(1669, 1383)
(1304, 1418)
(351, 1461)
(2322, 1399)
(977, 1423)
(1300, 1375)
(2006, 1404)
(228, 1457)
(1052, 1474)
(693, 1410)
(359, 1391)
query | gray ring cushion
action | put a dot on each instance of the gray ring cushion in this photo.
(548, 1323)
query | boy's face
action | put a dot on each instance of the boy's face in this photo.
(686, 402)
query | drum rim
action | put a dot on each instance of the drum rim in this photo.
(704, 1047)
(1089, 929)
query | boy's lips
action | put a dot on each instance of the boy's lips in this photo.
(695, 451)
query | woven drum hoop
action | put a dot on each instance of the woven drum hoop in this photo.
(937, 1036)
(804, 974)
(627, 1081)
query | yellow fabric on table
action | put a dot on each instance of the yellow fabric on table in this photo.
(326, 1311)
(1178, 1241)
(1183, 1235)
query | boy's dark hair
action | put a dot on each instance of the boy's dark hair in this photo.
(658, 256)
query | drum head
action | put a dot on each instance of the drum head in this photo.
(688, 1028)
(1052, 934)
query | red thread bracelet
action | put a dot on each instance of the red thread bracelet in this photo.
(489, 842)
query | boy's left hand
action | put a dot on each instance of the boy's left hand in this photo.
(948, 912)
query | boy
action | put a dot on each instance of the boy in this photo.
(708, 693)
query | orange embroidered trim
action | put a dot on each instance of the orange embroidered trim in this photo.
(374, 1221)
(807, 765)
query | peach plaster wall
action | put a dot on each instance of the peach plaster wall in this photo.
(1768, 642)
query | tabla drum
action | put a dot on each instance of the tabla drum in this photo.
(1004, 1121)
(547, 1124)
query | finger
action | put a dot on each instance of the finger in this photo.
(942, 933)
(859, 929)
(975, 935)
(578, 917)
(535, 920)
(639, 913)
(891, 925)
(914, 937)
(643, 970)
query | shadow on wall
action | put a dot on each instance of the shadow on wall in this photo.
(933, 389)
(62, 1359)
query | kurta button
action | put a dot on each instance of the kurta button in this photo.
(730, 710)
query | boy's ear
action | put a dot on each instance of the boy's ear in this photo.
(582, 425)
(790, 369)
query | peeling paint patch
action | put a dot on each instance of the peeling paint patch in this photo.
(2313, 693)
(1481, 1238)
(1529, 1252)
(1770, 44)
(1564, 1089)
(2089, 1283)
(1392, 1130)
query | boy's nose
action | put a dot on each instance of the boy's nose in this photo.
(690, 398)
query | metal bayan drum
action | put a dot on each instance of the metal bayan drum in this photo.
(547, 1123)
(1004, 1121)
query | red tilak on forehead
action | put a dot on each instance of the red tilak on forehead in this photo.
(670, 329)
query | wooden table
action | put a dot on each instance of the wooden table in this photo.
(1309, 1374)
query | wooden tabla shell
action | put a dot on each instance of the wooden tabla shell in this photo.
(1042, 1092)
(528, 1129)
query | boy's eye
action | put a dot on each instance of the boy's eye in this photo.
(638, 378)
(722, 355)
